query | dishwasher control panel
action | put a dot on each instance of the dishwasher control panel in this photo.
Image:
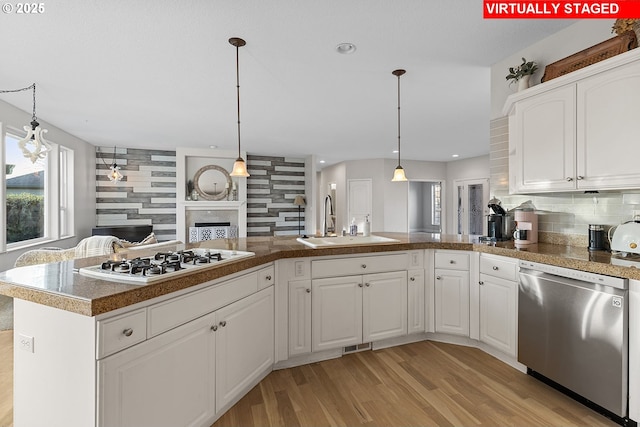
(585, 276)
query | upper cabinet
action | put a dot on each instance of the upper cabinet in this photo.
(577, 132)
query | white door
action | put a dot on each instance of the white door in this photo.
(472, 199)
(384, 306)
(299, 317)
(144, 386)
(245, 344)
(452, 301)
(498, 322)
(360, 202)
(336, 310)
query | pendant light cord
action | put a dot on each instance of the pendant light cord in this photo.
(32, 86)
(238, 92)
(399, 119)
(113, 162)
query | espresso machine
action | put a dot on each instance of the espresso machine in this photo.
(499, 223)
(526, 232)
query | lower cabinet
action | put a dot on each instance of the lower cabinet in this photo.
(416, 310)
(452, 301)
(186, 375)
(355, 309)
(299, 317)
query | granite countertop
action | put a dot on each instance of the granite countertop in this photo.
(59, 285)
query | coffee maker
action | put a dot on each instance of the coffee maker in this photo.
(499, 223)
(526, 232)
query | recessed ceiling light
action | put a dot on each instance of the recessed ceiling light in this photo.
(455, 155)
(346, 48)
(395, 151)
(321, 161)
(213, 146)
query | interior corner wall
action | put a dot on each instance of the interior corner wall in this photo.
(271, 188)
(145, 196)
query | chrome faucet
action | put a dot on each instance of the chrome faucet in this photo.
(325, 229)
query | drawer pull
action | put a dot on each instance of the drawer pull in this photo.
(127, 332)
(438, 278)
(214, 328)
(223, 323)
(413, 279)
(495, 268)
(481, 282)
(359, 285)
(580, 177)
(308, 290)
(364, 265)
(451, 261)
(367, 284)
(268, 278)
(569, 179)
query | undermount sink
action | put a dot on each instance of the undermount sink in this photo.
(327, 242)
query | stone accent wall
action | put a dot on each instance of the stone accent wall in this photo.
(271, 188)
(146, 194)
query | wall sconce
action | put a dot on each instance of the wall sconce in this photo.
(35, 134)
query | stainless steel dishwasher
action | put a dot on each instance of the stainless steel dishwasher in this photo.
(573, 330)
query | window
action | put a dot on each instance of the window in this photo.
(37, 196)
(436, 203)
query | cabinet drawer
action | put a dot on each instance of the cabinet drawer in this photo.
(266, 277)
(359, 265)
(452, 260)
(504, 268)
(169, 314)
(120, 332)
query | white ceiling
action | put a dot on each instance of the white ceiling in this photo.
(161, 74)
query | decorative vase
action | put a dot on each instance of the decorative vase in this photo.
(523, 82)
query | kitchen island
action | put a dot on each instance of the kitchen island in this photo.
(96, 352)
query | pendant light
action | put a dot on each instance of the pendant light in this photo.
(35, 134)
(114, 174)
(239, 167)
(398, 174)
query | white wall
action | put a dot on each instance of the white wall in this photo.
(573, 39)
(84, 179)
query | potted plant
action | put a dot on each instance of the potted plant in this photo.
(621, 26)
(522, 73)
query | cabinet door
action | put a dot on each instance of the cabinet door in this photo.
(299, 317)
(415, 302)
(145, 386)
(452, 301)
(336, 310)
(608, 129)
(498, 317)
(384, 306)
(542, 138)
(244, 343)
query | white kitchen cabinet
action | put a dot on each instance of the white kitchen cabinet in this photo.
(499, 303)
(416, 311)
(185, 376)
(244, 345)
(452, 292)
(166, 381)
(574, 132)
(355, 309)
(299, 317)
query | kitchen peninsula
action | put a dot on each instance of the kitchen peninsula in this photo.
(90, 352)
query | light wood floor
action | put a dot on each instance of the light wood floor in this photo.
(6, 378)
(420, 384)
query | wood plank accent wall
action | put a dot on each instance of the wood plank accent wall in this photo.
(271, 188)
(146, 194)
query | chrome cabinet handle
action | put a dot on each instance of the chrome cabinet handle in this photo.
(580, 177)
(223, 323)
(495, 268)
(481, 282)
(127, 332)
(367, 284)
(451, 261)
(359, 285)
(569, 179)
(214, 328)
(438, 278)
(308, 290)
(268, 277)
(413, 279)
(364, 265)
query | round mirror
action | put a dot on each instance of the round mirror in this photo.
(212, 182)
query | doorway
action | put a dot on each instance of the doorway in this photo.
(425, 207)
(472, 198)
